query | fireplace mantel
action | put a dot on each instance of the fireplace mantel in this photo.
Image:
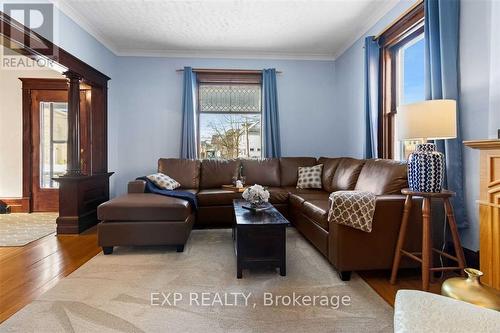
(489, 208)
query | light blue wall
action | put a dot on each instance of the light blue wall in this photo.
(349, 83)
(145, 103)
(476, 91)
(149, 110)
(480, 92)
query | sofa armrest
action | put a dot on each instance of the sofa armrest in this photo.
(353, 249)
(136, 186)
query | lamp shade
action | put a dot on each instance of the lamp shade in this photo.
(433, 119)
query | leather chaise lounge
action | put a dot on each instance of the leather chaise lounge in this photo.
(139, 218)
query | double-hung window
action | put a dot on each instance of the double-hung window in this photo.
(229, 116)
(402, 78)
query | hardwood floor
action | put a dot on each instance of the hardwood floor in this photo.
(27, 272)
(407, 279)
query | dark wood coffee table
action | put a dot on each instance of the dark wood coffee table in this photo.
(259, 238)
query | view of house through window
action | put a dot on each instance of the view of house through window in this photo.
(409, 86)
(230, 120)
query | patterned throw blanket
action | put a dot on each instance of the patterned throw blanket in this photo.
(352, 208)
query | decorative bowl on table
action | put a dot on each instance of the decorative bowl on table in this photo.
(257, 198)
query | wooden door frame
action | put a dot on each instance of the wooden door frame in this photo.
(29, 84)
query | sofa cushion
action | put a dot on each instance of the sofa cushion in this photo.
(215, 173)
(310, 177)
(300, 191)
(278, 195)
(217, 197)
(186, 172)
(289, 167)
(381, 176)
(222, 197)
(330, 165)
(265, 172)
(298, 197)
(144, 207)
(317, 211)
(347, 174)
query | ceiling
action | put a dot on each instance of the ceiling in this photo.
(227, 28)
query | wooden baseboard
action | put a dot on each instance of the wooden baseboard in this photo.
(17, 205)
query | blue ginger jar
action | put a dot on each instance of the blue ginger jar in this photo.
(426, 169)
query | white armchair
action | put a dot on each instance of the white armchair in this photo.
(418, 311)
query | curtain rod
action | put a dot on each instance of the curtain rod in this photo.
(219, 70)
(416, 4)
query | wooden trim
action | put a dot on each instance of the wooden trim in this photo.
(400, 17)
(405, 23)
(226, 71)
(29, 84)
(225, 78)
(27, 145)
(44, 84)
(17, 205)
(407, 27)
(11, 30)
(483, 144)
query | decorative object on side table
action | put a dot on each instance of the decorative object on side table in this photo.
(257, 197)
(471, 290)
(428, 120)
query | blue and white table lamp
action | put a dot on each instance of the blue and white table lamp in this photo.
(428, 120)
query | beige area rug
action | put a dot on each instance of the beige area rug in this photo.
(119, 293)
(18, 229)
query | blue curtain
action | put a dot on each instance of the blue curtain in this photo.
(441, 82)
(189, 144)
(372, 65)
(270, 115)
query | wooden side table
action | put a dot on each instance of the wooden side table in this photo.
(425, 257)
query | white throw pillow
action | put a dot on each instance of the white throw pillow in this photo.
(310, 177)
(163, 181)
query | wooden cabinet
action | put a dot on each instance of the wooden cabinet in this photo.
(489, 209)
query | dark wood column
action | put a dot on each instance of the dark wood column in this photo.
(74, 168)
(83, 189)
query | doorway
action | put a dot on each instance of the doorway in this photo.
(45, 135)
(49, 117)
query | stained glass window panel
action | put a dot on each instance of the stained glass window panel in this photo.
(230, 98)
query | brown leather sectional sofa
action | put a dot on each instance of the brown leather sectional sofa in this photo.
(140, 218)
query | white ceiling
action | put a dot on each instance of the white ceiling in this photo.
(227, 28)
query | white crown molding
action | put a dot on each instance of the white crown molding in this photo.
(376, 16)
(80, 20)
(226, 54)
